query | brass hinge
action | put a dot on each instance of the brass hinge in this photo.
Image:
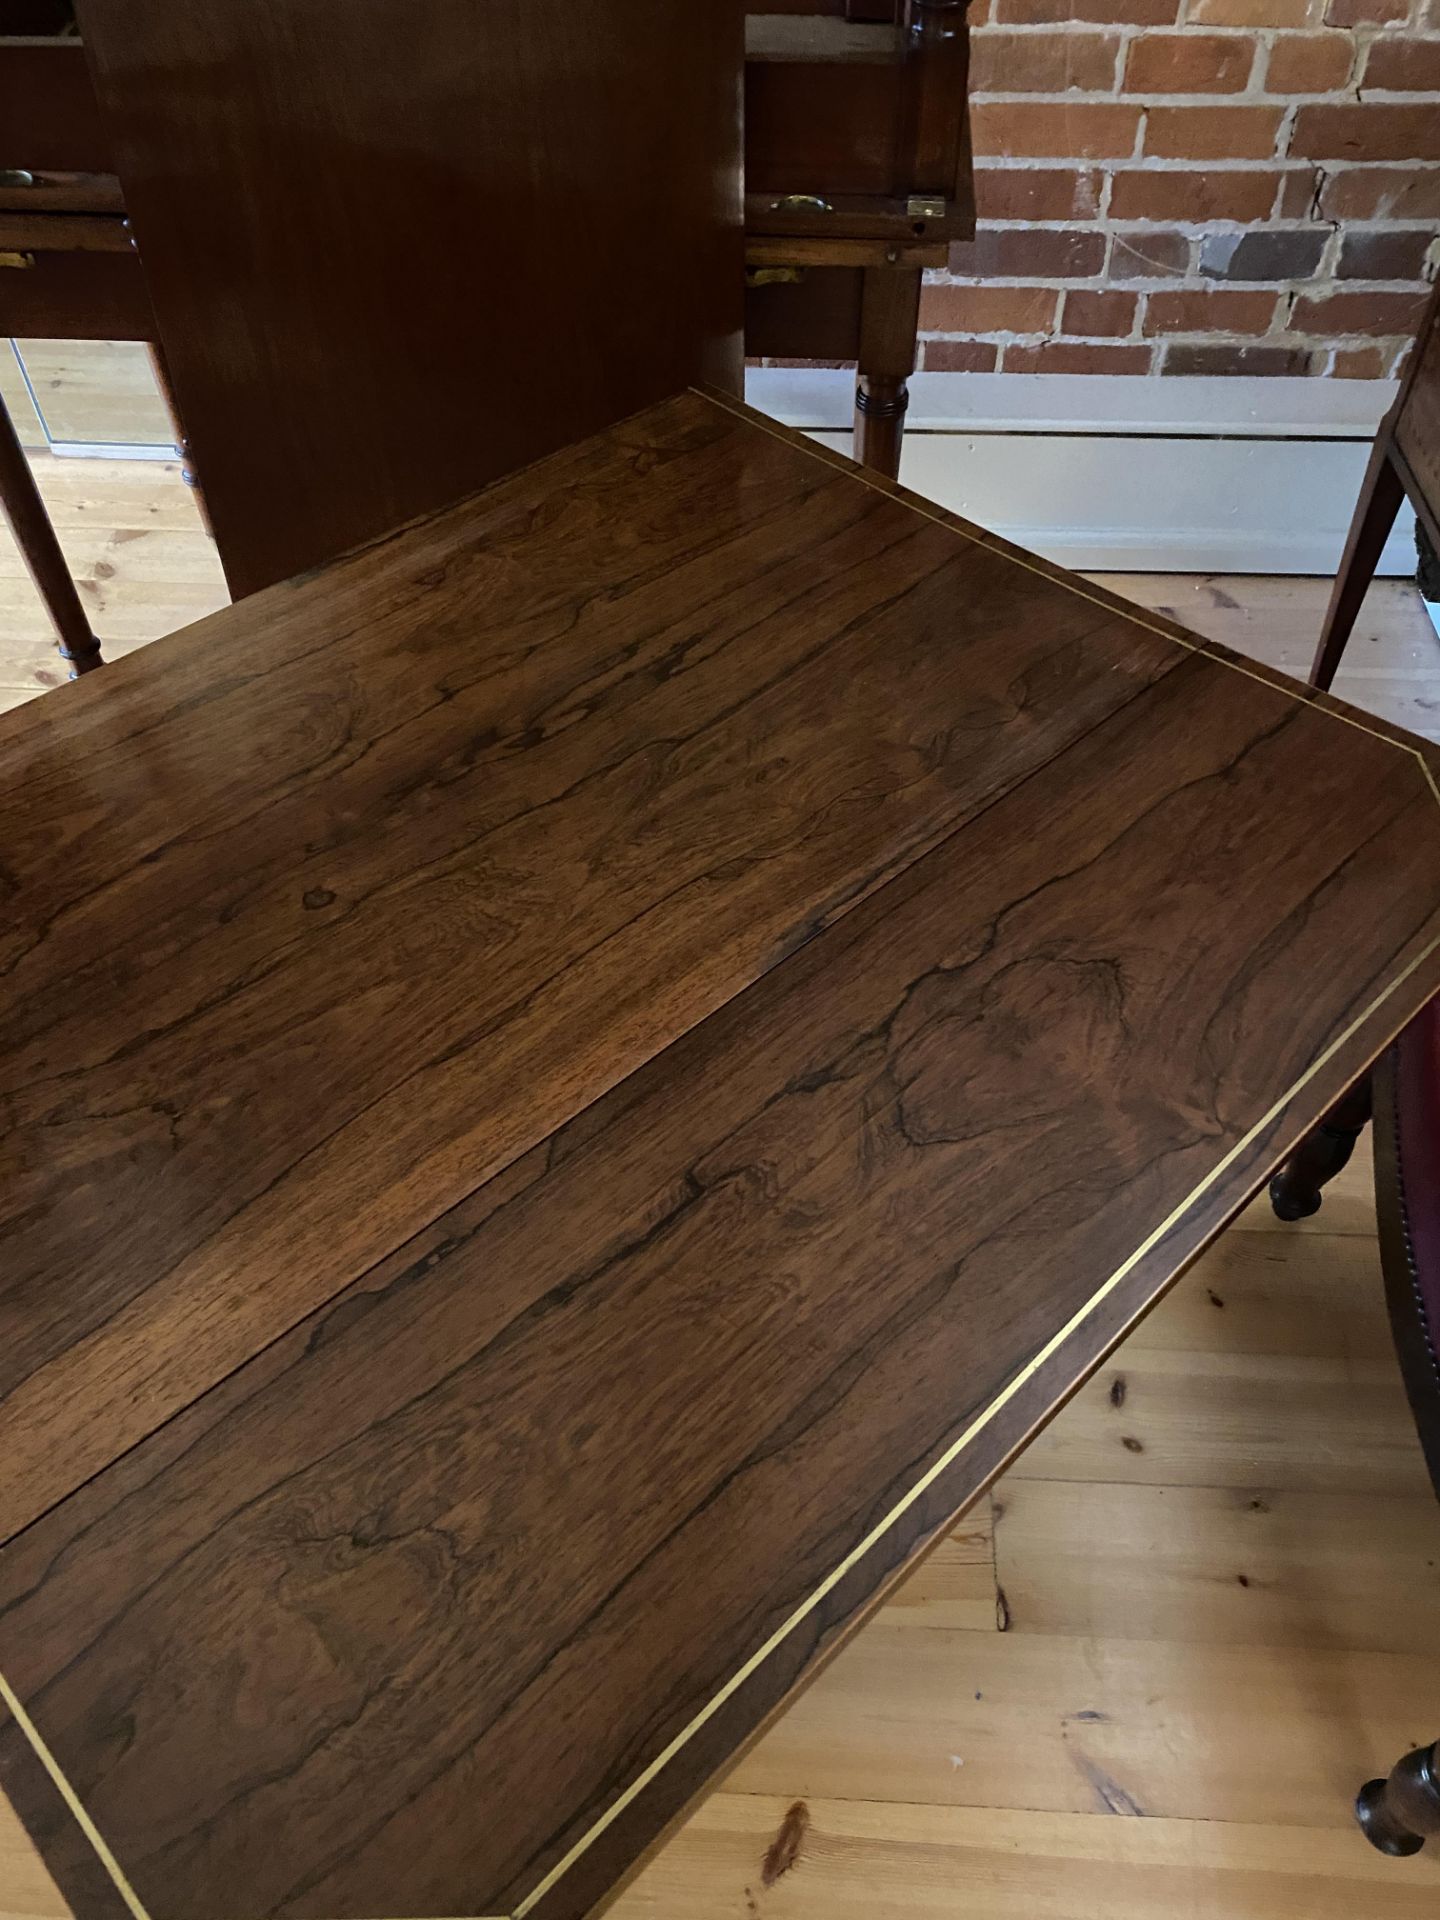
(16, 259)
(924, 206)
(774, 276)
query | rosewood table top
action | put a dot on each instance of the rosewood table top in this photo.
(571, 1087)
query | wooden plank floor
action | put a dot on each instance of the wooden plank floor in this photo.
(1210, 1606)
(1144, 1678)
(89, 390)
(139, 555)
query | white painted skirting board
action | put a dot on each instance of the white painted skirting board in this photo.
(1141, 475)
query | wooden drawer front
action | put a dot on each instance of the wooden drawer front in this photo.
(49, 115)
(822, 128)
(76, 296)
(56, 190)
(63, 232)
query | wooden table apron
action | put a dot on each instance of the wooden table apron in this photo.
(573, 1086)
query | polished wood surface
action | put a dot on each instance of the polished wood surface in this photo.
(515, 223)
(1093, 1602)
(136, 545)
(1274, 1441)
(347, 814)
(802, 977)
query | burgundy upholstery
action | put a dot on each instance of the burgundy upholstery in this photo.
(1408, 1189)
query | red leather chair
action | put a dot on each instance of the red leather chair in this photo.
(1397, 1814)
(1407, 1183)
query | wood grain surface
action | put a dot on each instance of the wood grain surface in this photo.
(333, 905)
(803, 978)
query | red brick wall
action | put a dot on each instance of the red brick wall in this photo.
(1196, 186)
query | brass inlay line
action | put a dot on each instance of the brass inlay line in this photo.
(72, 1800)
(958, 1446)
(1007, 1393)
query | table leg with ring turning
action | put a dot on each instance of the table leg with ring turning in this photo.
(35, 537)
(1398, 1815)
(1325, 1150)
(889, 315)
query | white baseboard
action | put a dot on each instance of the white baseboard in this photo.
(1135, 474)
(109, 450)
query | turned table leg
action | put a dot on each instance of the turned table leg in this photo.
(1398, 1815)
(35, 537)
(1295, 1189)
(160, 366)
(889, 316)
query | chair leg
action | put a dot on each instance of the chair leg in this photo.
(1398, 1815)
(35, 537)
(1295, 1189)
(1380, 499)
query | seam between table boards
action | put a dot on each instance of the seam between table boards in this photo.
(965, 1439)
(1137, 616)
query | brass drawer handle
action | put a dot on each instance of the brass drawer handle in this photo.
(10, 259)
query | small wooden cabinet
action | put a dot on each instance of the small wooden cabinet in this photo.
(321, 310)
(858, 177)
(67, 268)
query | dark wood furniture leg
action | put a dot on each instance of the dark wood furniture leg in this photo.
(889, 313)
(161, 370)
(35, 537)
(1398, 1815)
(1379, 502)
(1295, 1189)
